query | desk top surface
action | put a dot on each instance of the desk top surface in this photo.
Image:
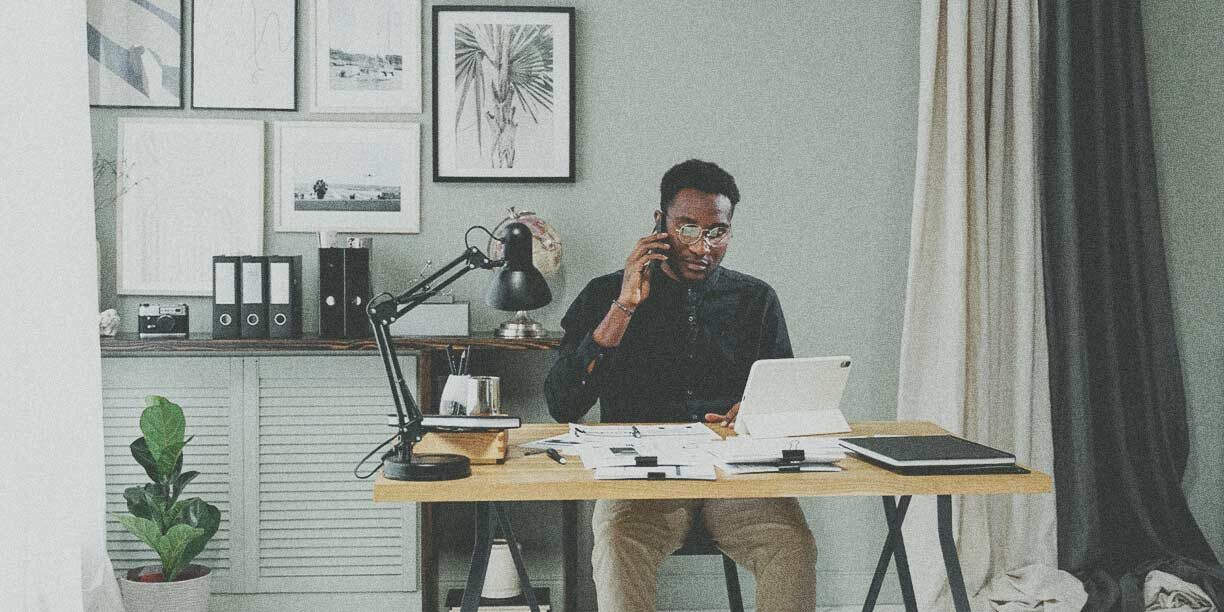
(537, 477)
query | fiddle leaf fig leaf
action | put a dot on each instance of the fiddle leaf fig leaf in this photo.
(204, 516)
(140, 452)
(164, 426)
(145, 529)
(172, 546)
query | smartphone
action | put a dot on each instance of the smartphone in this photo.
(659, 227)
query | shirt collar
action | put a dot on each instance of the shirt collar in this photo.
(699, 287)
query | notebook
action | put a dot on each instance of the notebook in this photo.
(942, 454)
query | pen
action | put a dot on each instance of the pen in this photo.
(556, 456)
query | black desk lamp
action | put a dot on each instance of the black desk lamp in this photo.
(517, 285)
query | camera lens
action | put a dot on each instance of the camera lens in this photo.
(165, 323)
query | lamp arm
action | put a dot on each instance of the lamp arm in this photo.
(383, 313)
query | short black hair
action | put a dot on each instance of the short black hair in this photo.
(700, 175)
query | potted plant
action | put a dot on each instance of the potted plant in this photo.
(176, 529)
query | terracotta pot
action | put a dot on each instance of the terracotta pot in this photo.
(187, 594)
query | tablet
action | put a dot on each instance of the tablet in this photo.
(794, 397)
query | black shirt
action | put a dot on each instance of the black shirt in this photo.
(686, 352)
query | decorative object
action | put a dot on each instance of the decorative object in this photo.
(244, 54)
(108, 323)
(545, 256)
(135, 53)
(516, 286)
(367, 56)
(176, 529)
(503, 81)
(183, 202)
(347, 177)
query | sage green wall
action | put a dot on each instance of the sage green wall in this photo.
(1186, 78)
(811, 105)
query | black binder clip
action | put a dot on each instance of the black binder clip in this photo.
(646, 461)
(793, 467)
(792, 455)
(656, 476)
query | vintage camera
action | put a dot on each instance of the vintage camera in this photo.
(162, 320)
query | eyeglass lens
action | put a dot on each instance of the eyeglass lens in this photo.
(690, 234)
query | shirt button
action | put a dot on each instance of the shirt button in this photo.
(689, 392)
(692, 318)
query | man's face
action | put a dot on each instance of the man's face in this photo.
(696, 261)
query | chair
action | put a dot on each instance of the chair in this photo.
(700, 542)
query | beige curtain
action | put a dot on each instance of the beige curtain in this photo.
(973, 349)
(52, 492)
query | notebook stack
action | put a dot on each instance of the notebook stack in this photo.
(454, 601)
(932, 455)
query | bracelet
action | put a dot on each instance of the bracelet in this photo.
(627, 310)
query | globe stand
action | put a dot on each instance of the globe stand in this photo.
(521, 326)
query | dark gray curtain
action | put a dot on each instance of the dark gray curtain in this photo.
(1117, 401)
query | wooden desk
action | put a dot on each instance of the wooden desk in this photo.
(537, 478)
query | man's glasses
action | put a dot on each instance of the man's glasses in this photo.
(691, 233)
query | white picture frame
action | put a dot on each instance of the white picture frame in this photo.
(135, 52)
(355, 50)
(345, 177)
(182, 201)
(244, 54)
(528, 135)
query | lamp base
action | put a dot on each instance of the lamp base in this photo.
(427, 467)
(521, 326)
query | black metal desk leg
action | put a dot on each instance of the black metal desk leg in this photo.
(894, 546)
(525, 583)
(956, 582)
(481, 545)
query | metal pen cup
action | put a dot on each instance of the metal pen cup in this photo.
(483, 396)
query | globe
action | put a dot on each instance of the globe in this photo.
(545, 242)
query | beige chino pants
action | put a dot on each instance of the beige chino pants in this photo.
(767, 536)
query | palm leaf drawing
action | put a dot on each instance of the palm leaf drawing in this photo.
(503, 69)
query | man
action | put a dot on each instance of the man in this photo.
(671, 338)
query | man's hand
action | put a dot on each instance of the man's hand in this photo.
(635, 287)
(726, 420)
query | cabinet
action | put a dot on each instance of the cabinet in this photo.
(279, 426)
(276, 441)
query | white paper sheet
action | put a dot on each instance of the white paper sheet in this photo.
(669, 472)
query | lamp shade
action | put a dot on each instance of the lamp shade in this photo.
(518, 285)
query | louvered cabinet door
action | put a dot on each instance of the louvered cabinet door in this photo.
(209, 390)
(317, 527)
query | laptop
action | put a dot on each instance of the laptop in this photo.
(794, 397)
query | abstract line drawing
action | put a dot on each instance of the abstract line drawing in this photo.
(244, 54)
(135, 52)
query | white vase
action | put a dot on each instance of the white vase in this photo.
(501, 578)
(189, 595)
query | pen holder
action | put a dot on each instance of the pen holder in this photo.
(453, 400)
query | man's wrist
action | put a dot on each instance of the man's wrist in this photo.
(627, 309)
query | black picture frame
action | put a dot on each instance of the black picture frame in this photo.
(182, 98)
(443, 174)
(296, 69)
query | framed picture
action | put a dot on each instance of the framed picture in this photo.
(180, 202)
(503, 94)
(347, 177)
(135, 53)
(367, 56)
(244, 54)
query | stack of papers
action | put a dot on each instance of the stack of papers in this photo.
(687, 451)
(747, 455)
